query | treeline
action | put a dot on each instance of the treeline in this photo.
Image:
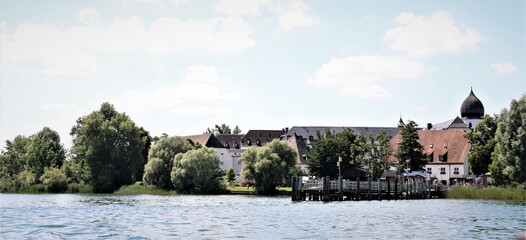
(498, 145)
(110, 151)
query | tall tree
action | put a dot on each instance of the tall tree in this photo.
(197, 171)
(511, 140)
(268, 166)
(45, 150)
(482, 144)
(220, 129)
(14, 159)
(410, 148)
(326, 150)
(160, 160)
(110, 144)
(378, 151)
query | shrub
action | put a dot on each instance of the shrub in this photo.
(54, 180)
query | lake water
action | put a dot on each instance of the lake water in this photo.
(69, 216)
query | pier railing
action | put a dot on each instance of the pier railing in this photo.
(392, 188)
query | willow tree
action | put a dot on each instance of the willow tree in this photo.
(110, 145)
(268, 166)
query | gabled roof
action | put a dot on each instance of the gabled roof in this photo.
(206, 140)
(231, 140)
(261, 137)
(439, 142)
(306, 131)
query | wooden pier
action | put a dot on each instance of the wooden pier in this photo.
(341, 190)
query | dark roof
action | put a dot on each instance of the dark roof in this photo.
(472, 107)
(307, 131)
(298, 144)
(401, 123)
(206, 140)
(231, 140)
(458, 123)
(261, 137)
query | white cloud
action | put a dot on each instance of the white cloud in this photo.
(177, 3)
(199, 93)
(372, 22)
(360, 76)
(293, 14)
(46, 49)
(503, 68)
(141, 1)
(88, 16)
(241, 7)
(201, 73)
(425, 36)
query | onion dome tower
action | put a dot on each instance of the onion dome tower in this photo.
(472, 107)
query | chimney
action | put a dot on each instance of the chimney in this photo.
(429, 126)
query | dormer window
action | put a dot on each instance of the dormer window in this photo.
(236, 145)
(442, 158)
(249, 143)
(227, 145)
(258, 142)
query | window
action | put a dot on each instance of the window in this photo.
(442, 158)
(455, 170)
(258, 142)
(227, 145)
(249, 142)
(236, 145)
(221, 163)
(442, 170)
(428, 170)
(238, 162)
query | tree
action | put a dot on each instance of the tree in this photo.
(410, 149)
(378, 151)
(160, 160)
(220, 129)
(54, 180)
(236, 130)
(110, 145)
(197, 171)
(45, 150)
(511, 140)
(268, 166)
(482, 141)
(230, 176)
(496, 168)
(326, 150)
(14, 159)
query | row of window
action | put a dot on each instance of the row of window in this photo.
(443, 170)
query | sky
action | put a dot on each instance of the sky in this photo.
(181, 66)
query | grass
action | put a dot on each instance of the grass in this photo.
(252, 189)
(137, 189)
(493, 193)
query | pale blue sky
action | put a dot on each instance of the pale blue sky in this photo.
(180, 66)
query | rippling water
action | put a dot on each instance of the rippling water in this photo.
(68, 216)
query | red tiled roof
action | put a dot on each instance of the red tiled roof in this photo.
(439, 142)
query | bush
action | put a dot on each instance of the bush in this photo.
(54, 180)
(156, 173)
(197, 171)
(25, 178)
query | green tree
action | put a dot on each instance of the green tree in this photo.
(378, 151)
(236, 130)
(230, 176)
(14, 159)
(197, 171)
(45, 150)
(110, 144)
(482, 142)
(220, 129)
(268, 166)
(163, 150)
(410, 149)
(496, 168)
(511, 140)
(326, 150)
(25, 178)
(54, 180)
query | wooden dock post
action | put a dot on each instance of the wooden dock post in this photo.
(357, 196)
(388, 188)
(294, 188)
(396, 187)
(369, 188)
(428, 187)
(379, 189)
(340, 188)
(326, 189)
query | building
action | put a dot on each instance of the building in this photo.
(446, 145)
(447, 151)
